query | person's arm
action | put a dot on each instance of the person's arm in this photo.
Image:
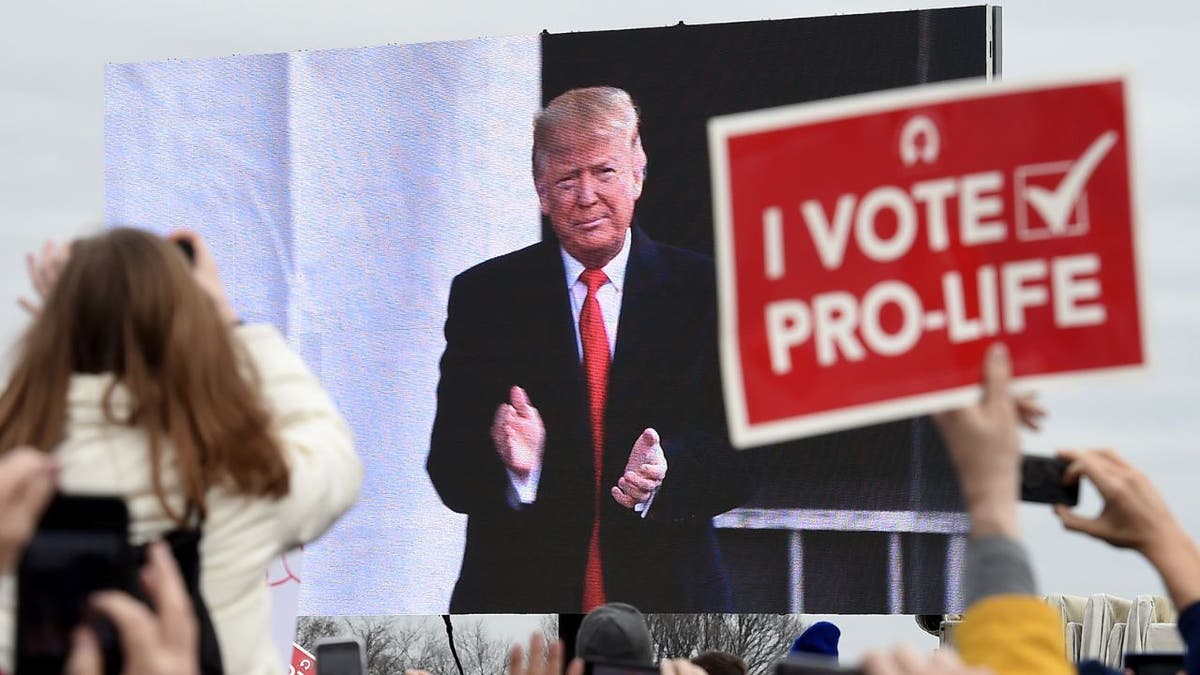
(27, 482)
(1136, 516)
(1006, 628)
(475, 412)
(324, 473)
(702, 475)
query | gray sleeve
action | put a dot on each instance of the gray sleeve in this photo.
(996, 565)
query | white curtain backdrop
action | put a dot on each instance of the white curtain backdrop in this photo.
(342, 191)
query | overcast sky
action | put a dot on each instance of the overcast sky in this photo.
(51, 181)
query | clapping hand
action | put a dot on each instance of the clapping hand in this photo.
(518, 433)
(644, 472)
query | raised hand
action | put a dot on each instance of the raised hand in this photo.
(518, 433)
(1135, 516)
(44, 269)
(985, 446)
(542, 661)
(27, 482)
(204, 271)
(644, 472)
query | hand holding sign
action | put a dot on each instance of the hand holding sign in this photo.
(937, 220)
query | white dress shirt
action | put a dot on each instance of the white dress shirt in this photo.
(609, 295)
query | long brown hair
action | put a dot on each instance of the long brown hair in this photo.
(126, 304)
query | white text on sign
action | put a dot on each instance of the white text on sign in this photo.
(846, 327)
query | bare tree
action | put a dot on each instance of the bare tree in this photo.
(549, 627)
(434, 654)
(311, 629)
(481, 654)
(760, 639)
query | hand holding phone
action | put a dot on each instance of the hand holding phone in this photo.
(81, 546)
(341, 656)
(1043, 481)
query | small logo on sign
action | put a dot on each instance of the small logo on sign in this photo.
(919, 140)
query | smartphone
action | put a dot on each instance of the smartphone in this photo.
(610, 668)
(806, 665)
(1154, 664)
(81, 546)
(341, 656)
(189, 251)
(1042, 481)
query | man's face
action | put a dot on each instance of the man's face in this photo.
(589, 181)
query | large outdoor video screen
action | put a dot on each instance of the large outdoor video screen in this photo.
(379, 206)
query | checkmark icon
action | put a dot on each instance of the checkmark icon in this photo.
(1055, 205)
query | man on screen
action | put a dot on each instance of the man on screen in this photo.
(580, 422)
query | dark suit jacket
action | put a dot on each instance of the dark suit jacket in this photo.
(510, 323)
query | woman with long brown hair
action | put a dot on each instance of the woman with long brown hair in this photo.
(137, 376)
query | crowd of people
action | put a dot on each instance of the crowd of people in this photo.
(137, 380)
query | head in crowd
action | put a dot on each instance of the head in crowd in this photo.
(614, 632)
(588, 168)
(820, 639)
(721, 663)
(127, 306)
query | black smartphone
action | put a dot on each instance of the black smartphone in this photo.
(341, 656)
(1042, 481)
(804, 665)
(1154, 664)
(189, 251)
(81, 546)
(613, 668)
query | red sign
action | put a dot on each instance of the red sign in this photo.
(869, 249)
(303, 663)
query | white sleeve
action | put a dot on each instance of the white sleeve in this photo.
(325, 473)
(523, 489)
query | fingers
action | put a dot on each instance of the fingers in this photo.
(904, 660)
(554, 660)
(135, 624)
(1100, 468)
(997, 371)
(541, 661)
(637, 482)
(202, 254)
(516, 660)
(649, 438)
(1029, 412)
(679, 667)
(27, 483)
(576, 667)
(167, 592)
(85, 658)
(520, 401)
(537, 652)
(29, 306)
(622, 498)
(656, 472)
(1074, 521)
(44, 269)
(880, 663)
(501, 422)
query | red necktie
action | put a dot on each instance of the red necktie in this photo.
(595, 366)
